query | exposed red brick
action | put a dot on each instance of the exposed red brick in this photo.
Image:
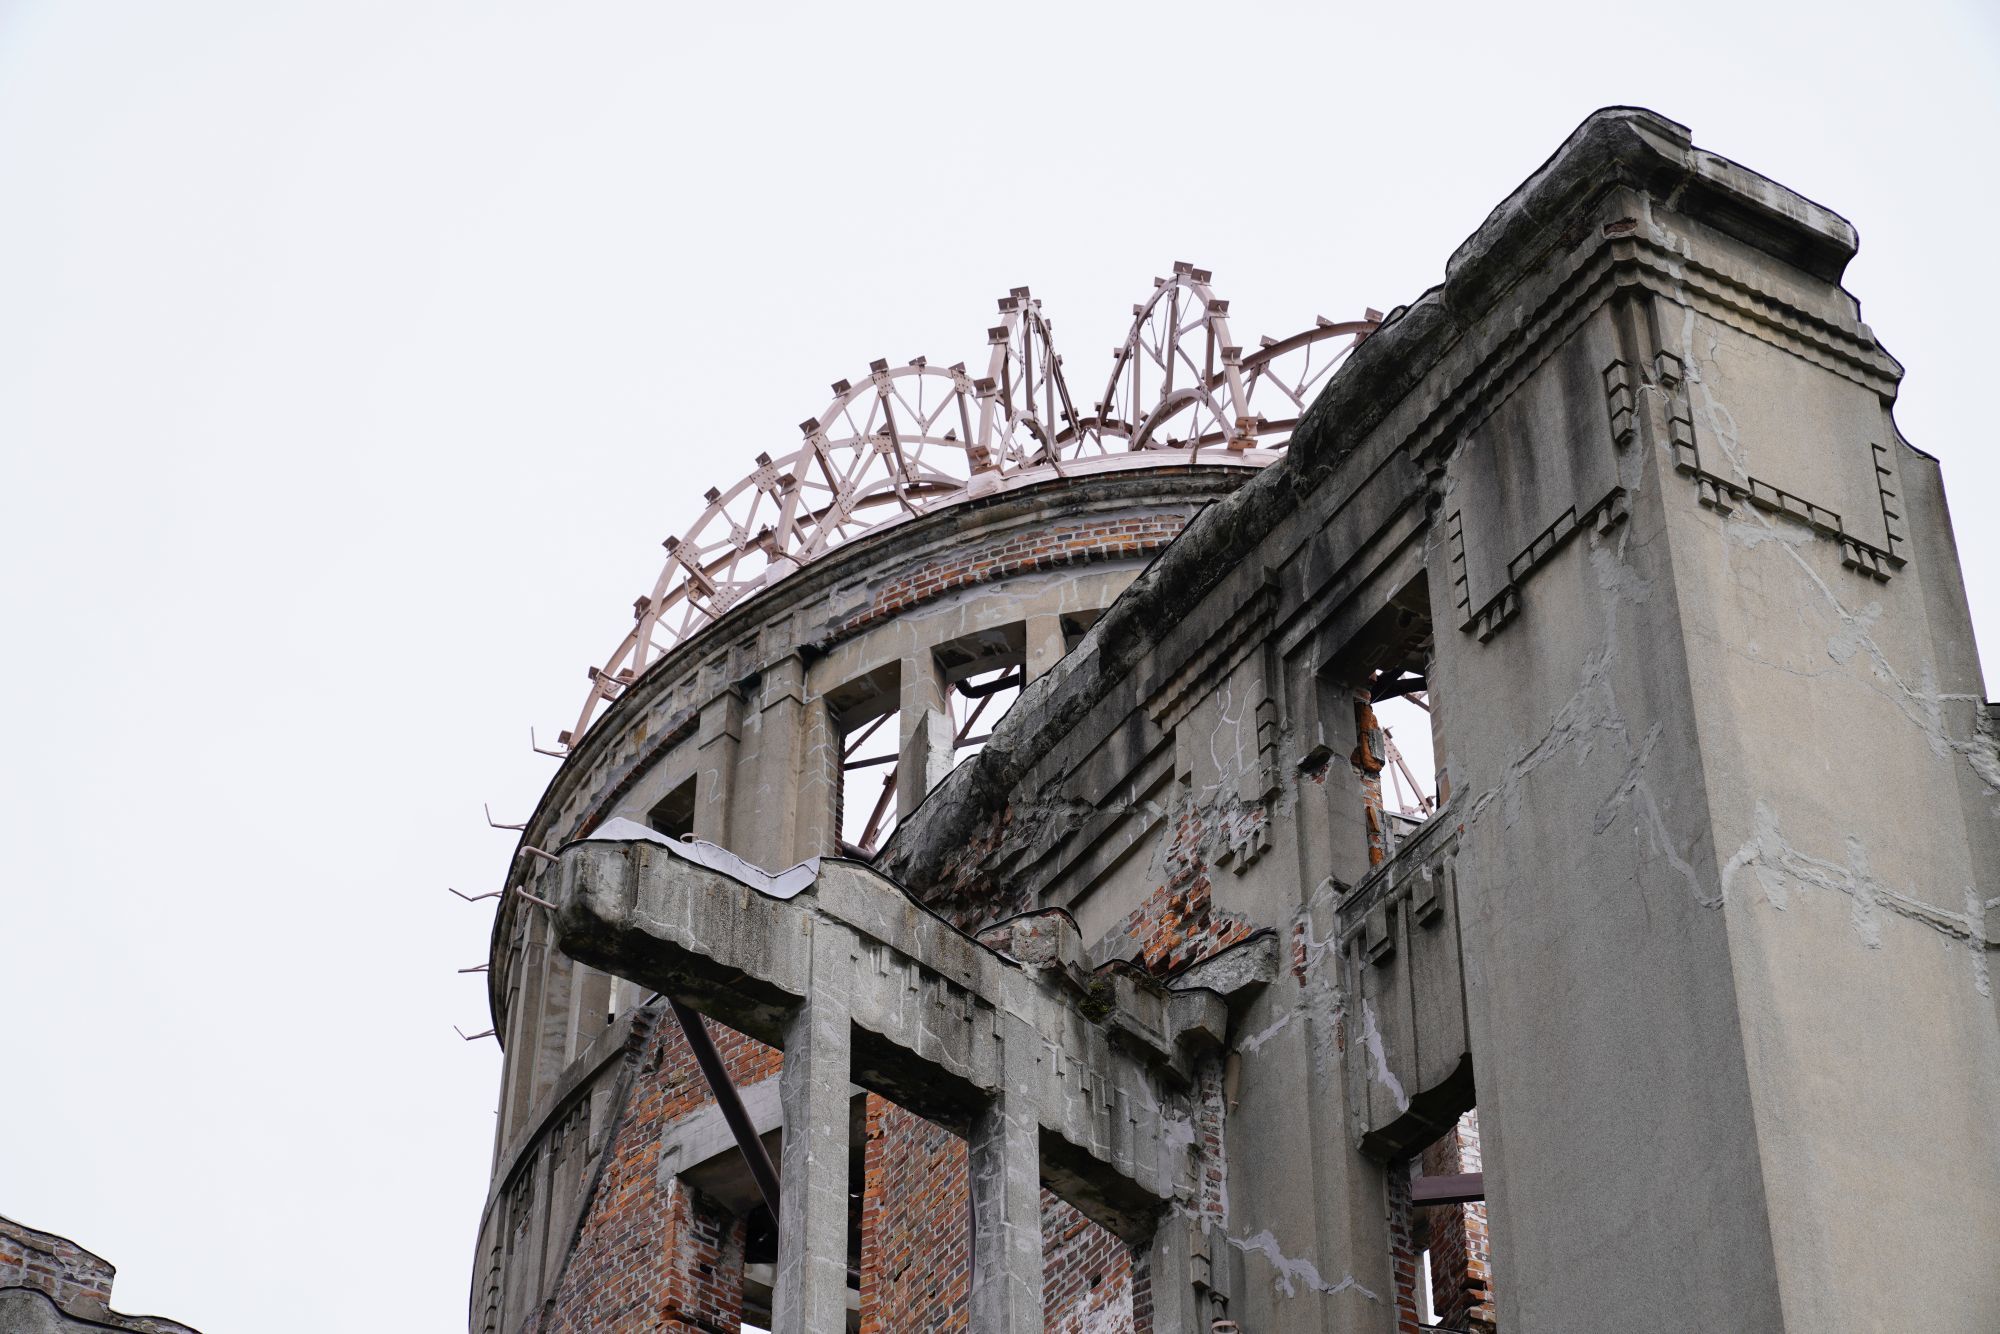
(1111, 539)
(1454, 1234)
(653, 1255)
(916, 1236)
(1177, 925)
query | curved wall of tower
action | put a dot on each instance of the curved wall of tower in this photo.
(611, 1188)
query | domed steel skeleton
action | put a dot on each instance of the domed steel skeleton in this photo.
(911, 439)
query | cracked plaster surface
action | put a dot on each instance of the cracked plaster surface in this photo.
(1592, 714)
(1778, 867)
(1750, 529)
(1290, 1273)
(1378, 1058)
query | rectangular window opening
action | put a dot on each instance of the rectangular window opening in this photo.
(868, 755)
(673, 814)
(1444, 1262)
(866, 716)
(1397, 761)
(978, 703)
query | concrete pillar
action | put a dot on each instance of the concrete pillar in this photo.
(524, 1018)
(765, 821)
(1046, 645)
(1170, 1274)
(811, 1296)
(589, 1002)
(818, 782)
(715, 768)
(552, 1038)
(926, 744)
(1006, 1175)
(1742, 978)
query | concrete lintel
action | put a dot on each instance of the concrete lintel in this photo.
(1109, 1079)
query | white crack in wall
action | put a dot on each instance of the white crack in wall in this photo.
(1292, 1272)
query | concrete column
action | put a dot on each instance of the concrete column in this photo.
(811, 1296)
(765, 819)
(1170, 1270)
(589, 1002)
(818, 782)
(1729, 1024)
(524, 1018)
(552, 1038)
(1046, 645)
(1006, 1174)
(925, 750)
(715, 770)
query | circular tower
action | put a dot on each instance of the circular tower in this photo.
(824, 642)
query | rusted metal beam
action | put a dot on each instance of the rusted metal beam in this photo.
(977, 691)
(695, 1028)
(1458, 1188)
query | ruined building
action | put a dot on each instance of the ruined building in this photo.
(1498, 830)
(51, 1285)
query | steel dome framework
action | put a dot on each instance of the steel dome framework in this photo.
(912, 439)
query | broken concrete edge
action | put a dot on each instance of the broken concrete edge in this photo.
(1250, 962)
(786, 884)
(1635, 147)
(1613, 147)
(102, 1316)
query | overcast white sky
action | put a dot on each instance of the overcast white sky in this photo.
(355, 358)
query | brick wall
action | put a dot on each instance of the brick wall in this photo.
(1461, 1261)
(1177, 925)
(1086, 1274)
(1044, 549)
(914, 1224)
(1368, 759)
(916, 1235)
(654, 1255)
(1454, 1234)
(73, 1278)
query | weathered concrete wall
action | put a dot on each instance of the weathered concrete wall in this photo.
(1705, 924)
(1702, 925)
